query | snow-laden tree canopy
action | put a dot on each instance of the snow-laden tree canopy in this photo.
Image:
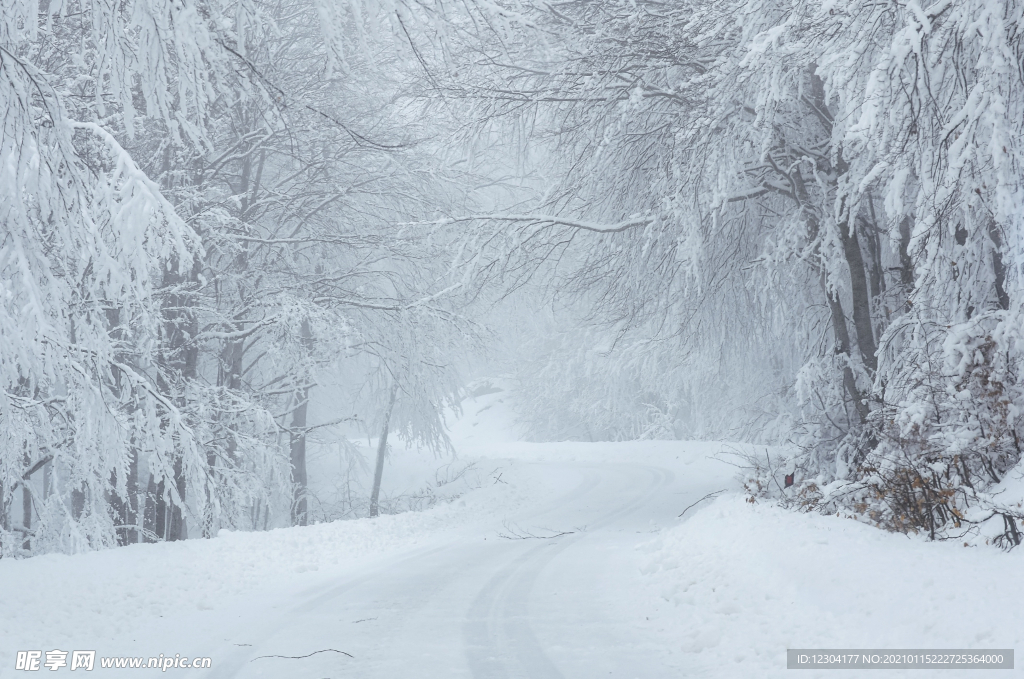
(810, 212)
(203, 208)
(797, 222)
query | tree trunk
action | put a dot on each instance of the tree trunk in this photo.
(77, 503)
(851, 244)
(126, 509)
(842, 335)
(3, 516)
(861, 296)
(998, 267)
(300, 509)
(229, 376)
(298, 454)
(181, 359)
(838, 317)
(26, 514)
(906, 264)
(176, 528)
(154, 521)
(876, 273)
(382, 447)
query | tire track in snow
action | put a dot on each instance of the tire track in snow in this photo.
(500, 641)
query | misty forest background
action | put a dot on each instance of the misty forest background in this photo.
(235, 231)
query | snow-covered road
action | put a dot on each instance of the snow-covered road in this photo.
(483, 605)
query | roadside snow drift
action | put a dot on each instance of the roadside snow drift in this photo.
(743, 582)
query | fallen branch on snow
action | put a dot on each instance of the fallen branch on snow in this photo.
(517, 533)
(300, 657)
(701, 500)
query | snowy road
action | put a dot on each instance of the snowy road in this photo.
(629, 591)
(488, 606)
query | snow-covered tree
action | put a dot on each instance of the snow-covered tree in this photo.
(822, 198)
(202, 204)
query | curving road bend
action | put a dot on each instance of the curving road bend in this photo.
(491, 607)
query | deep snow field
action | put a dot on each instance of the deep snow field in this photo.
(474, 586)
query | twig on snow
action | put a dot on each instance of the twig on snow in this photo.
(517, 533)
(300, 657)
(701, 500)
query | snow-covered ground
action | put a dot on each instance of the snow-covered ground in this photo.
(482, 584)
(744, 582)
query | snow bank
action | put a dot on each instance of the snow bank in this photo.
(744, 582)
